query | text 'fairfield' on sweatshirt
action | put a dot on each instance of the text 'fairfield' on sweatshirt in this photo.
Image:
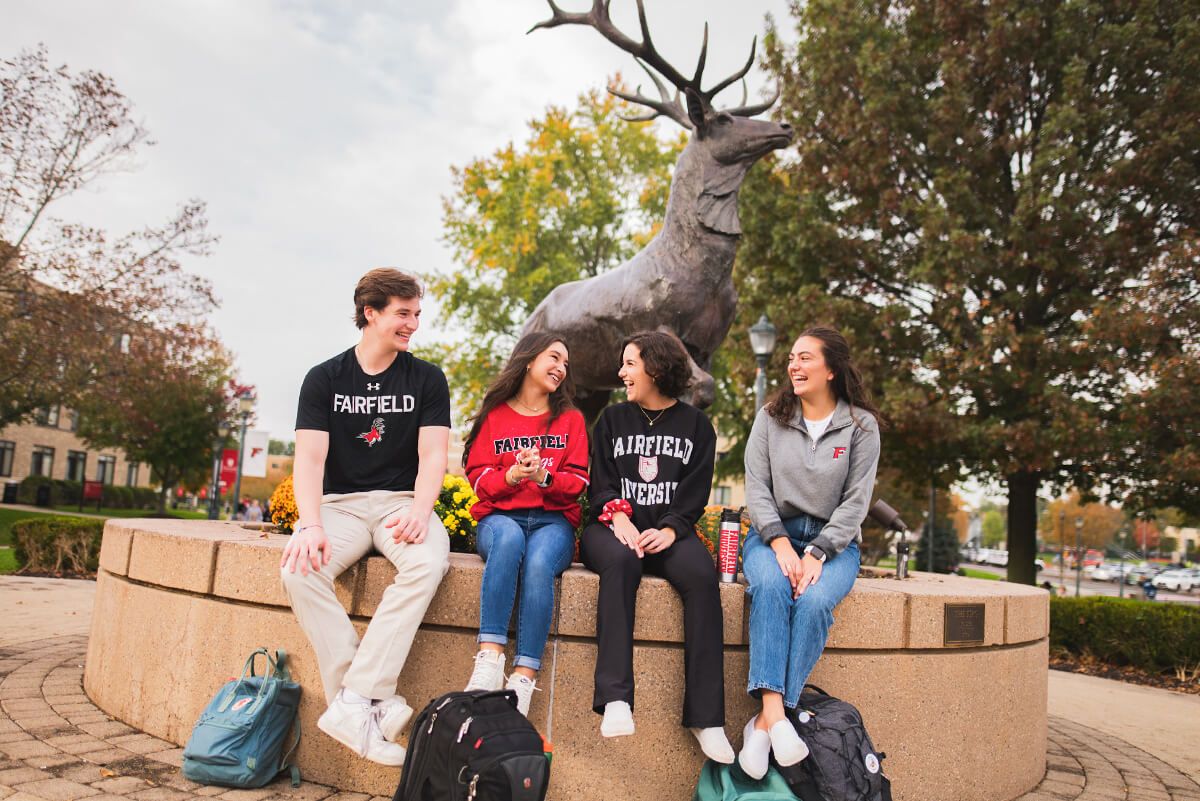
(664, 470)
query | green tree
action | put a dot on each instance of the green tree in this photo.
(994, 533)
(279, 447)
(71, 295)
(163, 410)
(998, 203)
(945, 547)
(1101, 523)
(579, 196)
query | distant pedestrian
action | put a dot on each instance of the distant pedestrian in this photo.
(254, 512)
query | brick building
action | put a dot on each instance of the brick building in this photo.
(48, 446)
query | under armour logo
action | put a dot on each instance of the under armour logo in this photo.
(372, 386)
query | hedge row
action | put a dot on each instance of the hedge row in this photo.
(63, 493)
(58, 545)
(1152, 636)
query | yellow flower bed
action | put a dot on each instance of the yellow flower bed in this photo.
(283, 505)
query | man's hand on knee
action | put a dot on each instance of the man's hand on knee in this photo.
(408, 526)
(308, 546)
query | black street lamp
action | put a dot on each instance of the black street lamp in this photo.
(245, 408)
(762, 342)
(214, 497)
(1078, 553)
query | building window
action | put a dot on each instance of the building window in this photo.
(7, 451)
(76, 465)
(131, 474)
(72, 420)
(106, 469)
(722, 495)
(47, 417)
(43, 461)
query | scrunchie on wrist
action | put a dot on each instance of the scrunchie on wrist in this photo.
(611, 508)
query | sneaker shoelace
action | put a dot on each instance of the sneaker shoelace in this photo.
(485, 667)
(372, 724)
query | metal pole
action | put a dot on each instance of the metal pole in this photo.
(237, 488)
(1078, 558)
(1062, 552)
(932, 514)
(1121, 578)
(215, 489)
(760, 382)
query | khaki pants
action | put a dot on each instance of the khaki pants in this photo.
(354, 525)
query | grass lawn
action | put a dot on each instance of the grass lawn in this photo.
(182, 514)
(7, 518)
(8, 562)
(980, 574)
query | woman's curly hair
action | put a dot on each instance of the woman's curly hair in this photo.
(666, 360)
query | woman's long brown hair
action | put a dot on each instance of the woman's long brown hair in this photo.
(847, 381)
(508, 383)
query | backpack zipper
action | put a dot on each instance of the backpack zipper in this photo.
(462, 730)
(433, 717)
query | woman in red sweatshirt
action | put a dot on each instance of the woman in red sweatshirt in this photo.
(526, 458)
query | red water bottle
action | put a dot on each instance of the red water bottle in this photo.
(727, 547)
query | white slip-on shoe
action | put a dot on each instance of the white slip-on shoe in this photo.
(395, 717)
(488, 673)
(356, 726)
(755, 756)
(715, 744)
(618, 719)
(523, 686)
(786, 743)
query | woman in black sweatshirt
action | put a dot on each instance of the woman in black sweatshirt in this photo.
(652, 468)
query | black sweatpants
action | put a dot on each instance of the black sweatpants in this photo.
(689, 568)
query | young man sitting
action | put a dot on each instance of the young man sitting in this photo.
(371, 435)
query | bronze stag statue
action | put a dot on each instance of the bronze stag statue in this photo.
(682, 281)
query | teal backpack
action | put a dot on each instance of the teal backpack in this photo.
(238, 740)
(728, 783)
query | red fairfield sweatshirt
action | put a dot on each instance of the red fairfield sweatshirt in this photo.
(564, 451)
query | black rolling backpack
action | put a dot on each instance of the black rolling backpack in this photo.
(842, 764)
(474, 746)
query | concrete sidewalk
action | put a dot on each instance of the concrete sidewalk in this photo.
(1108, 741)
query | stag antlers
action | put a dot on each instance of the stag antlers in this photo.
(647, 56)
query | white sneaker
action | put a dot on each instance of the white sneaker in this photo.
(523, 686)
(488, 673)
(715, 744)
(618, 719)
(356, 726)
(395, 717)
(786, 743)
(755, 756)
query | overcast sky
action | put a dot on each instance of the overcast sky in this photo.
(321, 135)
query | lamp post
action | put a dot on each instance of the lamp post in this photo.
(1062, 550)
(245, 407)
(1078, 554)
(214, 498)
(762, 342)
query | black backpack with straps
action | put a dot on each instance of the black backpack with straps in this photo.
(474, 746)
(842, 764)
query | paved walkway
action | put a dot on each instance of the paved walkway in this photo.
(55, 745)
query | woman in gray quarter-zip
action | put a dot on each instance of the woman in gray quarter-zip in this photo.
(810, 468)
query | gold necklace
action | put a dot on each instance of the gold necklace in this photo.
(656, 417)
(530, 408)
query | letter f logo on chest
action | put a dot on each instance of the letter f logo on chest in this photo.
(837, 452)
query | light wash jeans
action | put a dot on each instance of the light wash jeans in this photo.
(788, 635)
(538, 546)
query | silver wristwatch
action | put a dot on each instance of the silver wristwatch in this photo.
(814, 552)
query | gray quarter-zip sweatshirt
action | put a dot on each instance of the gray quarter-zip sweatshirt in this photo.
(787, 473)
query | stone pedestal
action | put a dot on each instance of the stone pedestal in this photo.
(179, 604)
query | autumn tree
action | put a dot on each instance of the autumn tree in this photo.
(579, 196)
(999, 204)
(162, 407)
(71, 295)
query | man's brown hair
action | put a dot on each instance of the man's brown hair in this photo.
(379, 286)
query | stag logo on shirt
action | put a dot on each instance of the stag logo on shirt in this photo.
(648, 467)
(374, 435)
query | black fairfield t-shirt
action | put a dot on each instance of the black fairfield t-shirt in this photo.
(373, 420)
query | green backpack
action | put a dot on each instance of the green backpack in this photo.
(728, 783)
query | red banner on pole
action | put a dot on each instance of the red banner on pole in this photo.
(229, 461)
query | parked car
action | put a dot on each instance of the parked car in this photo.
(1176, 580)
(1138, 574)
(1109, 571)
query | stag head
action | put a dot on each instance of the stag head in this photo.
(731, 141)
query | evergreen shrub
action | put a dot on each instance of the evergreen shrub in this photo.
(58, 545)
(1150, 635)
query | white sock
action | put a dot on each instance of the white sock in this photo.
(351, 697)
(618, 719)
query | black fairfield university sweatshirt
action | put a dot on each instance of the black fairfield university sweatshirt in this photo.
(664, 470)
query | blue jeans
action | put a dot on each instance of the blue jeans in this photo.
(537, 545)
(788, 635)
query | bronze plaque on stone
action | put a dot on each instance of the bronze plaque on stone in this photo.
(963, 624)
